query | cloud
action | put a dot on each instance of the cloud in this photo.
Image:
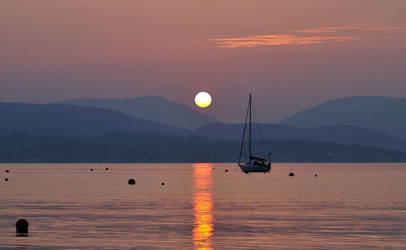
(317, 35)
(275, 40)
(359, 27)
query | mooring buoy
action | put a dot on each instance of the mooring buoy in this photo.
(22, 227)
(131, 182)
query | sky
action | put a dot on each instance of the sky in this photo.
(290, 54)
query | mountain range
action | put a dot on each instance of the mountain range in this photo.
(71, 120)
(337, 134)
(385, 114)
(152, 108)
(341, 121)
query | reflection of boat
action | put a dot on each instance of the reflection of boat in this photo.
(254, 164)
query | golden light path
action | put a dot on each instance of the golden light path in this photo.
(203, 206)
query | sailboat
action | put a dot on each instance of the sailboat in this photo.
(254, 163)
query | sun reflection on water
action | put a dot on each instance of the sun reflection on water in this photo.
(203, 206)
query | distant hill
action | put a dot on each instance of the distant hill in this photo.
(127, 147)
(385, 114)
(71, 120)
(336, 134)
(153, 108)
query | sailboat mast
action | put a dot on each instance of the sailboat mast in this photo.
(249, 128)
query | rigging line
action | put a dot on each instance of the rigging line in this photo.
(253, 140)
(250, 128)
(255, 125)
(243, 136)
(258, 127)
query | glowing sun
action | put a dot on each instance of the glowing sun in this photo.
(203, 99)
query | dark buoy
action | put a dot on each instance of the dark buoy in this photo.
(22, 227)
(131, 182)
(291, 174)
(107, 168)
(316, 175)
(163, 183)
(5, 179)
(91, 169)
(226, 170)
(7, 171)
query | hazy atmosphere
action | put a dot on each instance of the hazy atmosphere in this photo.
(216, 124)
(290, 54)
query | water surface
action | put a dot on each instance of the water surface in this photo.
(348, 206)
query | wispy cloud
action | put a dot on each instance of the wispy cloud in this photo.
(317, 35)
(275, 40)
(359, 27)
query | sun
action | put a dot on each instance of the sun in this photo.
(203, 99)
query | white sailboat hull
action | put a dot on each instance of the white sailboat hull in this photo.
(249, 167)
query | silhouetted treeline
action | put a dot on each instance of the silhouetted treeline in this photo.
(127, 147)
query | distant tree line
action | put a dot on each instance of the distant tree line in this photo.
(128, 148)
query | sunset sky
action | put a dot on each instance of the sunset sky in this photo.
(291, 54)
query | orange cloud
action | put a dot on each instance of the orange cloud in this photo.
(361, 27)
(275, 40)
(317, 35)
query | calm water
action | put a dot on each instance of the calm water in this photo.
(348, 206)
